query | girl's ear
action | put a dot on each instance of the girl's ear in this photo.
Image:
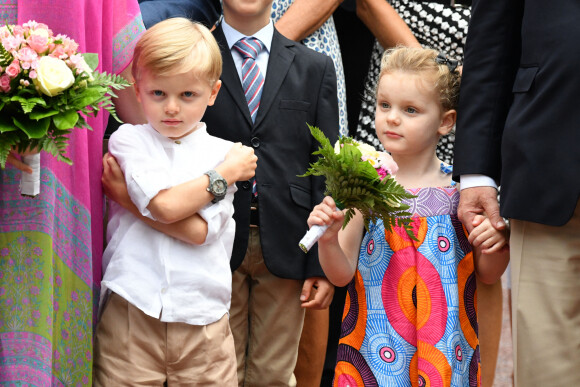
(447, 122)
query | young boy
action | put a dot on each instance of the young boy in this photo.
(273, 279)
(166, 317)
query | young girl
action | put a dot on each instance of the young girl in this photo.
(410, 313)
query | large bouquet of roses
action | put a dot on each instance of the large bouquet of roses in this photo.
(358, 177)
(47, 88)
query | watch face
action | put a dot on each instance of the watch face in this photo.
(219, 187)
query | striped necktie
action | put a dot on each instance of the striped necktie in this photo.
(252, 79)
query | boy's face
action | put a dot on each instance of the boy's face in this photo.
(175, 104)
(247, 16)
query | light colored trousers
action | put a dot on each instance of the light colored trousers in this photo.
(266, 319)
(546, 303)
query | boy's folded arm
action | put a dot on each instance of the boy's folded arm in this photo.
(193, 229)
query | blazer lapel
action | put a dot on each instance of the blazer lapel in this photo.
(230, 79)
(279, 62)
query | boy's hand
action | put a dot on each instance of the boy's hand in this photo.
(239, 164)
(485, 236)
(326, 213)
(317, 293)
(113, 181)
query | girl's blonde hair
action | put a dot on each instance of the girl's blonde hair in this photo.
(177, 46)
(428, 61)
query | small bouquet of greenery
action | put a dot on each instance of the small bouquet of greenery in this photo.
(47, 88)
(358, 177)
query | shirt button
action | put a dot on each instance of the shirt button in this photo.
(163, 290)
(177, 142)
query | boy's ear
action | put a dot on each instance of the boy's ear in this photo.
(214, 92)
(136, 88)
(447, 122)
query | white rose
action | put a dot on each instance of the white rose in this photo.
(368, 151)
(53, 76)
(40, 32)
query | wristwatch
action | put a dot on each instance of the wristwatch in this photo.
(218, 186)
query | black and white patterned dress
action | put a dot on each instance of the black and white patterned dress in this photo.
(438, 26)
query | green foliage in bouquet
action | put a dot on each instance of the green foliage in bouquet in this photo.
(47, 88)
(356, 184)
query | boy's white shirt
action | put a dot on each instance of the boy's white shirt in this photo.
(162, 276)
(264, 35)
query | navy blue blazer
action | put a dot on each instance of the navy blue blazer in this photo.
(206, 12)
(517, 120)
(300, 88)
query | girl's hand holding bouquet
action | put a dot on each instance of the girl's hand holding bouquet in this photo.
(47, 88)
(357, 177)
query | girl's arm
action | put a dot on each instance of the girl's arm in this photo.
(385, 23)
(192, 230)
(184, 200)
(337, 249)
(490, 249)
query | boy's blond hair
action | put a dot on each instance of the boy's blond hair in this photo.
(423, 60)
(177, 46)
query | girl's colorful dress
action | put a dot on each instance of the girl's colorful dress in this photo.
(51, 246)
(410, 312)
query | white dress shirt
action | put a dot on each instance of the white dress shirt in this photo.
(264, 35)
(470, 181)
(162, 276)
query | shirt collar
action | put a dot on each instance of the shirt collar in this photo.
(191, 137)
(264, 35)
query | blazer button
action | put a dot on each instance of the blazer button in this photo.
(255, 142)
(246, 185)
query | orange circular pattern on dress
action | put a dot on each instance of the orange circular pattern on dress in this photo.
(407, 282)
(429, 367)
(467, 299)
(356, 335)
(398, 238)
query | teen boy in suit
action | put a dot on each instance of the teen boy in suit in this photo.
(273, 279)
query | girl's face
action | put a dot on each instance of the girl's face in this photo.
(409, 118)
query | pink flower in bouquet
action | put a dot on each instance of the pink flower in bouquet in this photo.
(5, 83)
(14, 69)
(38, 43)
(28, 58)
(12, 42)
(69, 46)
(58, 52)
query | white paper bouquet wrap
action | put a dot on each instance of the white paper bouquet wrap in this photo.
(358, 177)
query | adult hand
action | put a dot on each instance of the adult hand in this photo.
(478, 201)
(317, 293)
(15, 161)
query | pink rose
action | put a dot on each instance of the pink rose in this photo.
(5, 83)
(14, 69)
(38, 43)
